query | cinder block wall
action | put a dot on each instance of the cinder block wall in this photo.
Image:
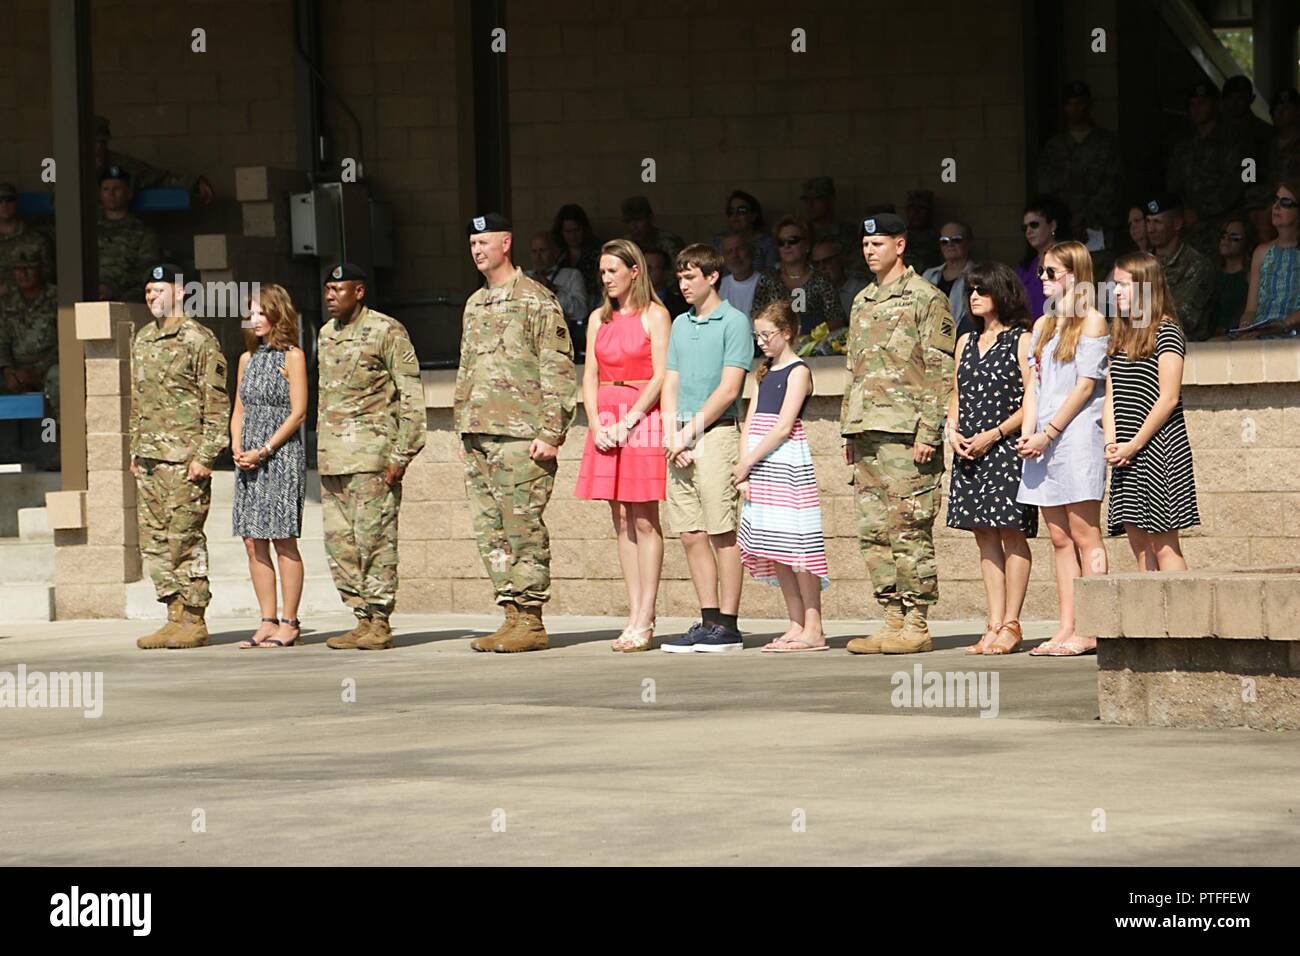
(1246, 448)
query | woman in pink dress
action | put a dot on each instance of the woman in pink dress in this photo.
(623, 462)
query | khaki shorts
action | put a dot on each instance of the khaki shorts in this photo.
(701, 496)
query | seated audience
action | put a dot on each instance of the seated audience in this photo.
(830, 260)
(1232, 285)
(1046, 220)
(565, 281)
(818, 196)
(663, 279)
(143, 175)
(1284, 146)
(1137, 230)
(639, 219)
(1273, 303)
(1081, 164)
(950, 278)
(741, 280)
(922, 250)
(579, 248)
(17, 237)
(1190, 275)
(126, 245)
(29, 331)
(1204, 168)
(745, 218)
(819, 303)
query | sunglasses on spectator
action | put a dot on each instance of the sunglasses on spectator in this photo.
(1234, 236)
(981, 291)
(1286, 202)
(738, 211)
(1033, 224)
(789, 241)
(944, 240)
(1051, 272)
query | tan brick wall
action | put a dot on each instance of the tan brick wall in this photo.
(718, 99)
(1246, 449)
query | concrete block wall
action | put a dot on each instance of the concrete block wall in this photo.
(721, 102)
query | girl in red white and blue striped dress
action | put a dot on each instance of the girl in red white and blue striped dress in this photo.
(781, 524)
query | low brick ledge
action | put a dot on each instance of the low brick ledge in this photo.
(1196, 648)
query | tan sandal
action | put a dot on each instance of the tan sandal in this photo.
(981, 646)
(638, 639)
(996, 649)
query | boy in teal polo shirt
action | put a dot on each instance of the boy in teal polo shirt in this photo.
(710, 350)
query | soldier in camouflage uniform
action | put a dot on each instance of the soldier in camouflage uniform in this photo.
(1192, 278)
(180, 422)
(1205, 169)
(516, 396)
(1081, 165)
(127, 247)
(29, 331)
(143, 175)
(370, 425)
(17, 238)
(900, 361)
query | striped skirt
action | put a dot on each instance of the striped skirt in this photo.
(781, 523)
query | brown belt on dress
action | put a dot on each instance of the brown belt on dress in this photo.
(621, 381)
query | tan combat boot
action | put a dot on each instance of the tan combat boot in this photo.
(378, 636)
(192, 631)
(528, 634)
(348, 641)
(488, 642)
(893, 626)
(915, 637)
(160, 637)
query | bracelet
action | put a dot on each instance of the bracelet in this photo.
(268, 449)
(1000, 435)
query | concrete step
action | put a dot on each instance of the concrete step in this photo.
(23, 489)
(26, 562)
(33, 525)
(28, 601)
(232, 596)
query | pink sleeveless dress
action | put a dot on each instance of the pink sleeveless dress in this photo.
(636, 471)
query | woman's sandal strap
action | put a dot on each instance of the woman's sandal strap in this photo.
(292, 622)
(271, 620)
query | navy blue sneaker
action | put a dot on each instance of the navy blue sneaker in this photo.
(686, 643)
(719, 638)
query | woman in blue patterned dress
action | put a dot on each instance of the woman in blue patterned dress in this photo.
(271, 476)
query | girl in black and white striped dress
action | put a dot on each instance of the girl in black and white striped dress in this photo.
(1152, 487)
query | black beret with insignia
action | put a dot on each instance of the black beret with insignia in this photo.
(347, 272)
(115, 172)
(884, 224)
(168, 272)
(490, 222)
(1162, 202)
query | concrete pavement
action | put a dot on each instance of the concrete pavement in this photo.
(579, 756)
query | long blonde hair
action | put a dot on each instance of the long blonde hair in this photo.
(1073, 308)
(642, 293)
(1138, 339)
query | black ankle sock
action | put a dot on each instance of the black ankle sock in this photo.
(710, 615)
(728, 620)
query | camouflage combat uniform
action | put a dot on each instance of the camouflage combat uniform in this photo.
(371, 415)
(1192, 281)
(900, 361)
(1206, 172)
(19, 244)
(1087, 175)
(29, 337)
(127, 247)
(143, 175)
(516, 382)
(179, 413)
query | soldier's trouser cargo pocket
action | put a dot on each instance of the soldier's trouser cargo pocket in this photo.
(508, 493)
(359, 516)
(897, 501)
(171, 511)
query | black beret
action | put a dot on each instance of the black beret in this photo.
(1077, 88)
(115, 172)
(884, 224)
(347, 271)
(1238, 84)
(168, 272)
(1162, 202)
(491, 222)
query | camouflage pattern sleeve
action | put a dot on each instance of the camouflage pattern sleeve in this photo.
(134, 428)
(938, 337)
(399, 357)
(559, 377)
(215, 407)
(1198, 313)
(463, 370)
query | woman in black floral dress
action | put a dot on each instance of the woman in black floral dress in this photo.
(983, 423)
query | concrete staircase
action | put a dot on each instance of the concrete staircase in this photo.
(232, 590)
(26, 547)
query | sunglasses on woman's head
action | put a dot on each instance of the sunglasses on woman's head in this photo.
(1286, 202)
(1033, 224)
(945, 240)
(1051, 272)
(738, 211)
(789, 241)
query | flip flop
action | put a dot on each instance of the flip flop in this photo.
(1044, 649)
(799, 647)
(1072, 649)
(775, 644)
